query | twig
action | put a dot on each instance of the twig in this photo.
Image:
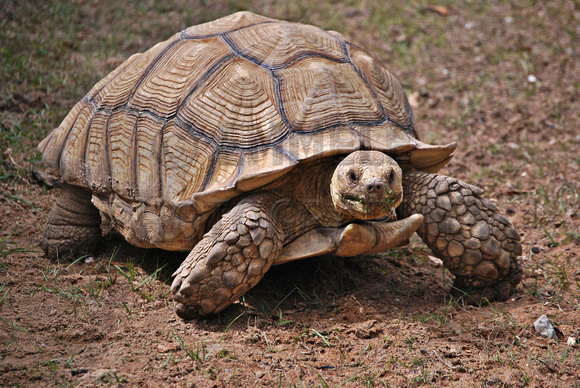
(446, 364)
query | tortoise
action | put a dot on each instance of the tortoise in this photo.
(252, 142)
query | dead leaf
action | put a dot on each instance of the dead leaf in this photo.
(435, 260)
(161, 348)
(414, 100)
(440, 9)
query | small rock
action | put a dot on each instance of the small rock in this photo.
(545, 328)
(78, 371)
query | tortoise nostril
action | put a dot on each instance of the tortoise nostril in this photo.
(375, 187)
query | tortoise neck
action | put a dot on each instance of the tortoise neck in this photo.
(309, 185)
(300, 200)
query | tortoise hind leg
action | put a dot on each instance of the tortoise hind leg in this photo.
(73, 226)
(475, 242)
(229, 260)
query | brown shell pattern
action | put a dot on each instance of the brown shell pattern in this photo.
(222, 108)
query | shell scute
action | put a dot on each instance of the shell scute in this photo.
(319, 93)
(147, 147)
(277, 45)
(339, 140)
(389, 90)
(226, 169)
(232, 22)
(187, 159)
(122, 132)
(96, 155)
(117, 89)
(236, 106)
(72, 165)
(176, 74)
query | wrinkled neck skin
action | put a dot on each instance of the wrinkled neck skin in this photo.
(299, 200)
(311, 185)
(303, 201)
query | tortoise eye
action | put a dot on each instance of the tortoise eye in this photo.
(353, 177)
(391, 177)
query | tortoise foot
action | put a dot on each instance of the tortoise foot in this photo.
(476, 243)
(230, 259)
(73, 226)
(473, 294)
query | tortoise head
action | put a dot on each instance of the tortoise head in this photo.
(367, 185)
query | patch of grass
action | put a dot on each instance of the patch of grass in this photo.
(95, 278)
(553, 278)
(442, 315)
(132, 275)
(321, 336)
(55, 375)
(199, 352)
(7, 247)
(13, 326)
(74, 294)
(112, 377)
(3, 292)
(555, 204)
(507, 322)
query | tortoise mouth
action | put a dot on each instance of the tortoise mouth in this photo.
(364, 208)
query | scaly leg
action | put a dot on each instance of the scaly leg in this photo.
(73, 226)
(229, 260)
(475, 242)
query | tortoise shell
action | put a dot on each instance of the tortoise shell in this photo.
(224, 108)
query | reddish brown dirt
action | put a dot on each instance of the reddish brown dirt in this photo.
(327, 321)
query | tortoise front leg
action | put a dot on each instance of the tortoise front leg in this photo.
(229, 260)
(73, 226)
(475, 242)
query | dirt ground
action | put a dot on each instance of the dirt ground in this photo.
(500, 78)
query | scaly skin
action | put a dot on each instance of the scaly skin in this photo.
(230, 259)
(475, 242)
(73, 226)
